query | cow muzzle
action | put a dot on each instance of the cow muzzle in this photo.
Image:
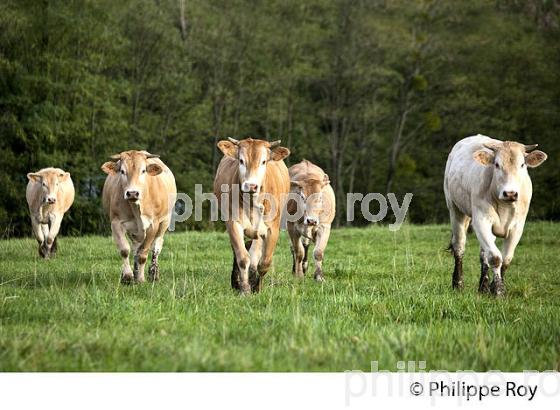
(509, 196)
(132, 195)
(250, 187)
(50, 200)
(311, 220)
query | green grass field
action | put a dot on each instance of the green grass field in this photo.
(387, 298)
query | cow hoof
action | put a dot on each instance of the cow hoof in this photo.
(44, 251)
(127, 279)
(244, 289)
(497, 288)
(154, 273)
(458, 285)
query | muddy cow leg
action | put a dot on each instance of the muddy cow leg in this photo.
(492, 255)
(319, 252)
(119, 237)
(235, 280)
(269, 244)
(255, 253)
(54, 247)
(304, 263)
(297, 253)
(153, 272)
(484, 284)
(459, 226)
(510, 244)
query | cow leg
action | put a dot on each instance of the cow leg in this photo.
(305, 243)
(54, 227)
(255, 255)
(241, 255)
(153, 272)
(319, 251)
(510, 244)
(459, 226)
(492, 255)
(54, 247)
(269, 245)
(484, 284)
(119, 237)
(298, 253)
(235, 279)
(38, 233)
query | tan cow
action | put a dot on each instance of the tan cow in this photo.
(50, 194)
(314, 196)
(487, 183)
(257, 167)
(138, 195)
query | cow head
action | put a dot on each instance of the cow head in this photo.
(132, 168)
(252, 157)
(50, 183)
(310, 192)
(510, 161)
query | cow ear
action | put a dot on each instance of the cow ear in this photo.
(228, 148)
(279, 153)
(110, 168)
(535, 158)
(154, 169)
(64, 176)
(32, 176)
(326, 180)
(483, 157)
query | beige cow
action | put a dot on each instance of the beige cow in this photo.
(487, 183)
(50, 194)
(255, 167)
(138, 195)
(314, 196)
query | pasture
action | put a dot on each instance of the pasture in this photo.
(387, 297)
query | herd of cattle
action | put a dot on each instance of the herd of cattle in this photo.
(486, 184)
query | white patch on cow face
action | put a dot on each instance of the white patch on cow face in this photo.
(509, 174)
(133, 180)
(49, 187)
(252, 170)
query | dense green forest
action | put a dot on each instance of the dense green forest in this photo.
(374, 91)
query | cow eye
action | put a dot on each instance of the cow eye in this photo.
(122, 171)
(523, 165)
(497, 166)
(241, 161)
(264, 162)
(143, 171)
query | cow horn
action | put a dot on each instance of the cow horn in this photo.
(115, 157)
(491, 146)
(529, 148)
(233, 141)
(148, 156)
(275, 143)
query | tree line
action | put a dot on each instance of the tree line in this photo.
(376, 92)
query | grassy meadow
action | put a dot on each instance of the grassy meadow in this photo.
(387, 298)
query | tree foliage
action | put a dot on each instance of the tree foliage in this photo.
(375, 92)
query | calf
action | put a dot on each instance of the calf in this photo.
(257, 167)
(138, 195)
(314, 197)
(50, 194)
(487, 183)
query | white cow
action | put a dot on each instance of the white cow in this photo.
(486, 182)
